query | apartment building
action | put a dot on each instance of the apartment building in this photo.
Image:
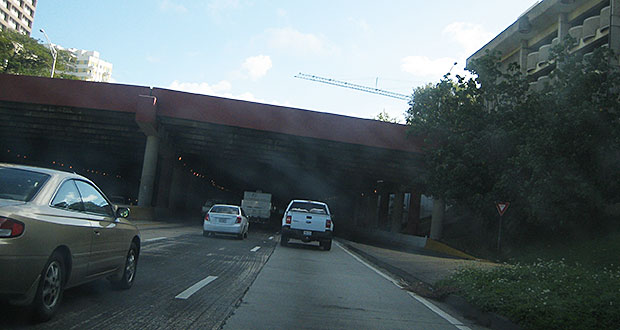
(17, 15)
(528, 41)
(89, 66)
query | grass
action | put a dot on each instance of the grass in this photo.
(576, 287)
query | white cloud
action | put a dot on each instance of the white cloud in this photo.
(291, 39)
(171, 6)
(360, 23)
(257, 66)
(153, 59)
(281, 13)
(218, 89)
(427, 67)
(468, 35)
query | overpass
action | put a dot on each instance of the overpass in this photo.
(169, 151)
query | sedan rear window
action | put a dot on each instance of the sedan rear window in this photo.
(224, 209)
(20, 185)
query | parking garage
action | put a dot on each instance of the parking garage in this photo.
(169, 151)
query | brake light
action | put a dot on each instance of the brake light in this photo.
(10, 227)
(238, 219)
(328, 224)
(288, 219)
(207, 217)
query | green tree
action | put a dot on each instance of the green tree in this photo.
(554, 154)
(384, 116)
(20, 54)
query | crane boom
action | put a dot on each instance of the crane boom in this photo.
(353, 86)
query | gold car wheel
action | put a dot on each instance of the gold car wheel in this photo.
(52, 283)
(130, 265)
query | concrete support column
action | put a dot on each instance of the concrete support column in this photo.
(177, 188)
(414, 213)
(397, 215)
(523, 52)
(149, 168)
(384, 205)
(166, 164)
(372, 211)
(439, 208)
(563, 26)
(614, 28)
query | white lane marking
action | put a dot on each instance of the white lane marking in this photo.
(270, 237)
(255, 249)
(222, 249)
(192, 289)
(154, 239)
(458, 324)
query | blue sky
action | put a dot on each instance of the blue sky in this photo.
(251, 50)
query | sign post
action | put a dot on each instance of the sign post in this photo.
(501, 209)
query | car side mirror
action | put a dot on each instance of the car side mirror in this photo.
(122, 212)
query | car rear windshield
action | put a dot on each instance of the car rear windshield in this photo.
(308, 207)
(20, 185)
(225, 209)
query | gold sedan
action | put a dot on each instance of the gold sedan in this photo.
(58, 230)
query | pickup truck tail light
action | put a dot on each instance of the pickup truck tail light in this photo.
(10, 228)
(238, 219)
(288, 219)
(207, 217)
(328, 224)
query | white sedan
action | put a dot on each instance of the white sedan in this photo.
(226, 219)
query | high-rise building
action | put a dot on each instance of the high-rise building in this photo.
(530, 39)
(17, 15)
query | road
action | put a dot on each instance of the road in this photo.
(187, 281)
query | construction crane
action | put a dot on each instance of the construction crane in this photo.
(353, 86)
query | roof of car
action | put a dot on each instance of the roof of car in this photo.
(44, 170)
(307, 201)
(225, 205)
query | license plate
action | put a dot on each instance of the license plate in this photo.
(222, 220)
(307, 233)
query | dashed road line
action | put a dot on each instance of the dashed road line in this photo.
(255, 249)
(194, 288)
(456, 323)
(270, 237)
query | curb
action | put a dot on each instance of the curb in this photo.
(426, 290)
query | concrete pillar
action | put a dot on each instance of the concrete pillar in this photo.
(614, 28)
(177, 188)
(413, 220)
(149, 168)
(439, 208)
(397, 215)
(384, 205)
(372, 211)
(563, 26)
(166, 164)
(523, 52)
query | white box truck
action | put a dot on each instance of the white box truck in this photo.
(257, 206)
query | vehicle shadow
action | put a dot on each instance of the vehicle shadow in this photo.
(304, 246)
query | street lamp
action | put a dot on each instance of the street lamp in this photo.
(52, 50)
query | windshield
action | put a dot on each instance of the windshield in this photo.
(20, 185)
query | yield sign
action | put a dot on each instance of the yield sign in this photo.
(502, 207)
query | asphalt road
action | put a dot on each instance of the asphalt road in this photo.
(304, 287)
(187, 281)
(172, 259)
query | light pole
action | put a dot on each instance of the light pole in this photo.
(52, 50)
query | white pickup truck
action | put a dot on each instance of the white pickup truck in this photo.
(307, 221)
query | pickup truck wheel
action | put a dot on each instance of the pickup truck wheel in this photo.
(283, 240)
(327, 245)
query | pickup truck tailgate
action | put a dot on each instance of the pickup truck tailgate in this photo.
(308, 221)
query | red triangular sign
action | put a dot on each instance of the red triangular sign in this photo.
(502, 207)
